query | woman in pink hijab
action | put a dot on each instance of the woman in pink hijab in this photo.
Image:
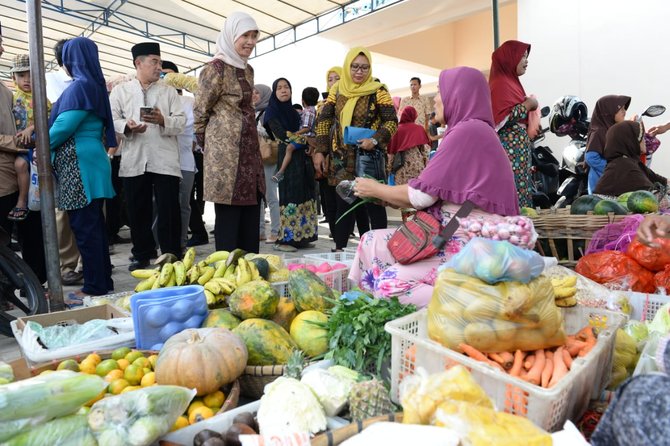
(464, 104)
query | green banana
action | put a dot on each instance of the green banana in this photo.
(217, 257)
(143, 273)
(220, 269)
(206, 274)
(230, 272)
(209, 297)
(147, 283)
(243, 275)
(156, 284)
(166, 272)
(172, 281)
(227, 287)
(189, 258)
(213, 287)
(179, 273)
(255, 275)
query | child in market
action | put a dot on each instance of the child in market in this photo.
(25, 125)
(299, 139)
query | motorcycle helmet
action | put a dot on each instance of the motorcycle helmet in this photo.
(565, 112)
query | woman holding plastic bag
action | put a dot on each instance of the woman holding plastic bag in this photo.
(464, 104)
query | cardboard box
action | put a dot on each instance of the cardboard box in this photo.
(35, 355)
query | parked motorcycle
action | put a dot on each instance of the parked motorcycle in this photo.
(545, 169)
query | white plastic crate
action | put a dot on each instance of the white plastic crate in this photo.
(334, 279)
(344, 272)
(345, 257)
(646, 305)
(547, 408)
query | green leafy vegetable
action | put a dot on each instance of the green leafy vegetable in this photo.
(356, 331)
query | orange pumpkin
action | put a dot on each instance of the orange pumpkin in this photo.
(204, 359)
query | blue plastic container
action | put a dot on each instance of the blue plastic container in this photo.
(161, 313)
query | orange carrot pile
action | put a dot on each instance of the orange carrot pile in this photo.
(540, 367)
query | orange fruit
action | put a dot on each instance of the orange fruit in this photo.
(130, 389)
(120, 352)
(214, 399)
(114, 374)
(181, 422)
(95, 358)
(133, 374)
(123, 363)
(68, 364)
(105, 367)
(194, 405)
(87, 366)
(117, 386)
(152, 360)
(142, 362)
(133, 355)
(149, 379)
(199, 414)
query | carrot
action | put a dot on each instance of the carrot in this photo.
(547, 371)
(586, 334)
(567, 359)
(518, 363)
(528, 363)
(478, 356)
(534, 375)
(502, 359)
(560, 369)
(573, 346)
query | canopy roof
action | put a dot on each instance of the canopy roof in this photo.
(186, 29)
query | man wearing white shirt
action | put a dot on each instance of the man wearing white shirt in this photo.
(150, 163)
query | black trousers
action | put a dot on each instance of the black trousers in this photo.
(116, 215)
(237, 227)
(88, 225)
(140, 191)
(195, 223)
(30, 235)
(337, 207)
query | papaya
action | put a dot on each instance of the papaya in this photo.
(267, 343)
(221, 318)
(584, 204)
(308, 291)
(285, 313)
(309, 332)
(604, 207)
(642, 202)
(254, 299)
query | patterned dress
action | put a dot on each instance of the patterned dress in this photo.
(415, 161)
(517, 144)
(298, 221)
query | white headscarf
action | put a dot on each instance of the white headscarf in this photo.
(236, 24)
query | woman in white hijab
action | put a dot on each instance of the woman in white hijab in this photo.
(225, 126)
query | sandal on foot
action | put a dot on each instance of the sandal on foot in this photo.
(18, 214)
(285, 248)
(74, 299)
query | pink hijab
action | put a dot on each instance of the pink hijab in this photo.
(470, 163)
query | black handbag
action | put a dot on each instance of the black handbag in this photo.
(398, 162)
(371, 164)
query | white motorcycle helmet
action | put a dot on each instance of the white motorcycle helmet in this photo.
(565, 112)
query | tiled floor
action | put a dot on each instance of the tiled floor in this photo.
(123, 281)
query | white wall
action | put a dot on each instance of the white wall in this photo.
(591, 48)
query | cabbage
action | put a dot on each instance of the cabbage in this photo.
(332, 391)
(661, 322)
(289, 406)
(637, 330)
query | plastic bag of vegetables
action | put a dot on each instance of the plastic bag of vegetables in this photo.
(72, 430)
(495, 261)
(140, 417)
(31, 402)
(517, 230)
(494, 318)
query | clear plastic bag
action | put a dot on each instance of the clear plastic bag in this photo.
(496, 261)
(72, 430)
(517, 230)
(59, 336)
(494, 318)
(138, 418)
(31, 402)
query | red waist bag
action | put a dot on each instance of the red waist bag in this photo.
(423, 237)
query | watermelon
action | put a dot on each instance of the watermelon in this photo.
(267, 343)
(221, 318)
(604, 207)
(309, 332)
(308, 291)
(623, 199)
(254, 299)
(584, 204)
(642, 202)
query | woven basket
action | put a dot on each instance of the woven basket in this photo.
(255, 378)
(567, 236)
(336, 437)
(232, 392)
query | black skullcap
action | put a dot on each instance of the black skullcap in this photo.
(170, 66)
(146, 49)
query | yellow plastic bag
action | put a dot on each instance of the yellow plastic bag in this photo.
(483, 426)
(494, 318)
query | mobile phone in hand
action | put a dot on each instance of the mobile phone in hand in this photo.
(144, 111)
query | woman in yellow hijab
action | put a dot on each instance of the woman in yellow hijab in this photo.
(357, 100)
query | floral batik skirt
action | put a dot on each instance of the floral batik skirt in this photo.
(377, 272)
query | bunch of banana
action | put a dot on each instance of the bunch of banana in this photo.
(565, 289)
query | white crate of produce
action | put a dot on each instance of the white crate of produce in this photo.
(344, 272)
(547, 408)
(346, 257)
(646, 305)
(334, 279)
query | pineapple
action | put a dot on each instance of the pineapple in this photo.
(295, 364)
(369, 399)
